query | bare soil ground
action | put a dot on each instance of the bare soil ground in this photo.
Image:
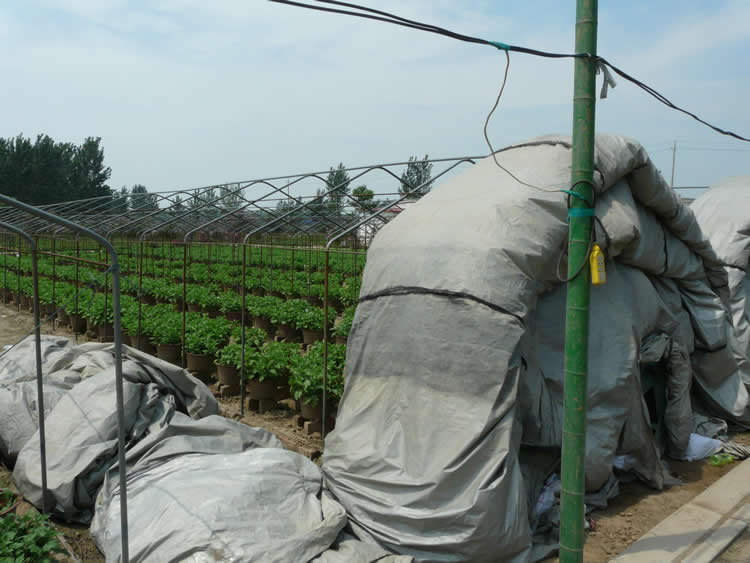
(635, 511)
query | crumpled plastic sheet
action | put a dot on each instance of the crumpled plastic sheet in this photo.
(81, 428)
(455, 354)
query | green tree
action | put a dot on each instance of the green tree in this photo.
(141, 200)
(231, 197)
(89, 171)
(417, 175)
(121, 200)
(365, 198)
(338, 187)
(45, 171)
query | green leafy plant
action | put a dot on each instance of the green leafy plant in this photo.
(286, 312)
(263, 306)
(230, 355)
(98, 310)
(207, 336)
(312, 318)
(230, 302)
(165, 325)
(253, 336)
(28, 539)
(272, 361)
(306, 373)
(344, 326)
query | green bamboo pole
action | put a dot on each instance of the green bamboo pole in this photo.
(577, 307)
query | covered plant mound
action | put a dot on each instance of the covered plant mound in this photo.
(455, 355)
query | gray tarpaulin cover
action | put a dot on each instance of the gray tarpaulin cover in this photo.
(200, 487)
(81, 428)
(455, 354)
(724, 215)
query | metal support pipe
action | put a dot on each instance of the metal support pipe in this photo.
(577, 307)
(38, 357)
(325, 347)
(31, 210)
(243, 290)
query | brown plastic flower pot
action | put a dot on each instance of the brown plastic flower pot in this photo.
(194, 308)
(213, 313)
(63, 318)
(340, 339)
(126, 339)
(78, 323)
(227, 375)
(144, 345)
(200, 363)
(171, 353)
(311, 336)
(310, 412)
(235, 316)
(261, 390)
(287, 333)
(106, 332)
(264, 324)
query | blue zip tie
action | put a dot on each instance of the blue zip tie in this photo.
(576, 195)
(501, 46)
(581, 212)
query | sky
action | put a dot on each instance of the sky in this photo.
(187, 93)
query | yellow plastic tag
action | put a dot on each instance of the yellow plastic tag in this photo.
(598, 271)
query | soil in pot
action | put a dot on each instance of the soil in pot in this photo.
(200, 363)
(311, 336)
(227, 375)
(171, 353)
(261, 390)
(288, 333)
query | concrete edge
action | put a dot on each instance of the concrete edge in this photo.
(713, 518)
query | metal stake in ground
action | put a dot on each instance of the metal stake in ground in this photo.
(577, 307)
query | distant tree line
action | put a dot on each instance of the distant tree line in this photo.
(45, 171)
(416, 181)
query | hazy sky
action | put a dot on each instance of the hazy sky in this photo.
(194, 92)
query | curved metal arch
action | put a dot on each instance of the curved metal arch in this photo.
(38, 356)
(121, 443)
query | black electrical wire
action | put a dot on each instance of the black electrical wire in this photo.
(387, 17)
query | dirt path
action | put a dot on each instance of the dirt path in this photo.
(635, 511)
